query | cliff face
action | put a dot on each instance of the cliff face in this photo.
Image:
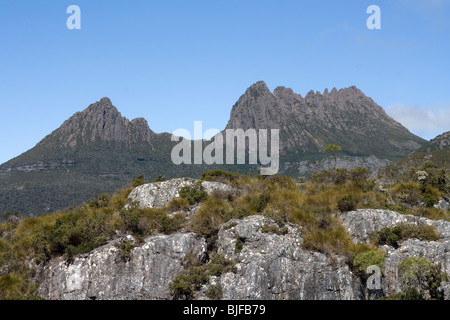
(101, 121)
(345, 117)
(269, 265)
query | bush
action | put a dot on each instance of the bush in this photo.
(329, 241)
(220, 176)
(365, 259)
(214, 292)
(219, 265)
(138, 181)
(274, 229)
(193, 194)
(399, 233)
(421, 275)
(212, 213)
(17, 287)
(190, 280)
(347, 203)
(187, 282)
(259, 204)
(430, 195)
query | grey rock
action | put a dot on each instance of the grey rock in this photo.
(101, 274)
(434, 251)
(272, 266)
(158, 194)
(443, 204)
(362, 223)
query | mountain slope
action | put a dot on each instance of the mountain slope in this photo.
(97, 150)
(346, 117)
(435, 152)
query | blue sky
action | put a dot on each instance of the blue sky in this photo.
(174, 62)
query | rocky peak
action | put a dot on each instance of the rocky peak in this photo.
(442, 141)
(311, 123)
(100, 121)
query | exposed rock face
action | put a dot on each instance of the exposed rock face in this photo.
(158, 194)
(443, 204)
(345, 117)
(270, 265)
(103, 275)
(306, 167)
(361, 223)
(442, 141)
(100, 122)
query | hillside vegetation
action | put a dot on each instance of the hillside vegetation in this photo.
(311, 204)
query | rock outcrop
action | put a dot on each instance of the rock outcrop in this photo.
(103, 274)
(273, 266)
(270, 263)
(158, 194)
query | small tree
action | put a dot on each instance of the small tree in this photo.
(332, 149)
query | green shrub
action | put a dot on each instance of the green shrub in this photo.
(259, 204)
(210, 216)
(193, 194)
(430, 195)
(239, 244)
(187, 282)
(214, 292)
(190, 280)
(138, 181)
(219, 265)
(220, 176)
(274, 229)
(399, 233)
(365, 259)
(421, 275)
(347, 203)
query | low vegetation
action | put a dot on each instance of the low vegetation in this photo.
(396, 235)
(311, 204)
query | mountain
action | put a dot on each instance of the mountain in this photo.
(436, 151)
(98, 150)
(307, 125)
(94, 151)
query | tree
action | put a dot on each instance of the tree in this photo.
(332, 149)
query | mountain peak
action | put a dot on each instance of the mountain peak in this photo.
(258, 89)
(441, 141)
(346, 117)
(101, 121)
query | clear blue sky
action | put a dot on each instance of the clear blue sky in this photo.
(173, 62)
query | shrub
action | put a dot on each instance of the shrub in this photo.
(193, 194)
(138, 181)
(274, 229)
(214, 292)
(220, 176)
(187, 282)
(347, 203)
(17, 287)
(219, 265)
(239, 244)
(421, 275)
(332, 240)
(190, 280)
(407, 193)
(365, 259)
(430, 195)
(259, 204)
(399, 233)
(212, 213)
